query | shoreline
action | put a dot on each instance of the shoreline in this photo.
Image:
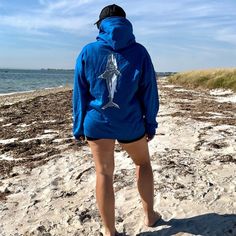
(31, 91)
(11, 98)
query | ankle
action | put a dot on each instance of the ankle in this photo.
(150, 213)
(152, 218)
(108, 232)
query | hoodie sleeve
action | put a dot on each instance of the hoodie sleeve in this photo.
(80, 96)
(148, 95)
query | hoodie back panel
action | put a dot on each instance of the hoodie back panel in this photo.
(114, 86)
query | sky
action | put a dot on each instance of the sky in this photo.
(179, 35)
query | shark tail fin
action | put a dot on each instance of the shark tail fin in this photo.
(111, 104)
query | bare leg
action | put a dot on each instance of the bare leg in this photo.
(103, 154)
(139, 153)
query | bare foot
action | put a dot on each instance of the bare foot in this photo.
(152, 219)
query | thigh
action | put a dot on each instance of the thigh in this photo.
(138, 151)
(103, 155)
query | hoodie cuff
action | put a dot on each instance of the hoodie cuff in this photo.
(151, 129)
(77, 134)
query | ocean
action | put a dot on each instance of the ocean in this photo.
(13, 81)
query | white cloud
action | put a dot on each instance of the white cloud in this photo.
(53, 15)
(31, 22)
(227, 35)
(153, 18)
(63, 6)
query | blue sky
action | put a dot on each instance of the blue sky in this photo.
(179, 35)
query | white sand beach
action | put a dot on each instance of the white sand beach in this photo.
(47, 179)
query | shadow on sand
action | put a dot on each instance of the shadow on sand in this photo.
(211, 224)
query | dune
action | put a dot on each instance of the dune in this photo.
(220, 78)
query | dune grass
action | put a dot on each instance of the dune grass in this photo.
(208, 79)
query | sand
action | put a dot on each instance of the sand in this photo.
(47, 178)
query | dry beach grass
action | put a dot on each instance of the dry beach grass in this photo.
(47, 179)
(210, 79)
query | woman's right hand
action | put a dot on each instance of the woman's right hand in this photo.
(149, 137)
(81, 138)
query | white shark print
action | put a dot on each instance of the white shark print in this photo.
(111, 76)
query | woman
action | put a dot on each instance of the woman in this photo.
(115, 97)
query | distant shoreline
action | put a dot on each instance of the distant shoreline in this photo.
(32, 91)
(159, 73)
(47, 69)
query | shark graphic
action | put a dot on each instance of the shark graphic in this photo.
(111, 76)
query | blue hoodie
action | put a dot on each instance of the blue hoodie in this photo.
(115, 90)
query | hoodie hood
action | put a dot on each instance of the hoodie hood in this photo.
(117, 32)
